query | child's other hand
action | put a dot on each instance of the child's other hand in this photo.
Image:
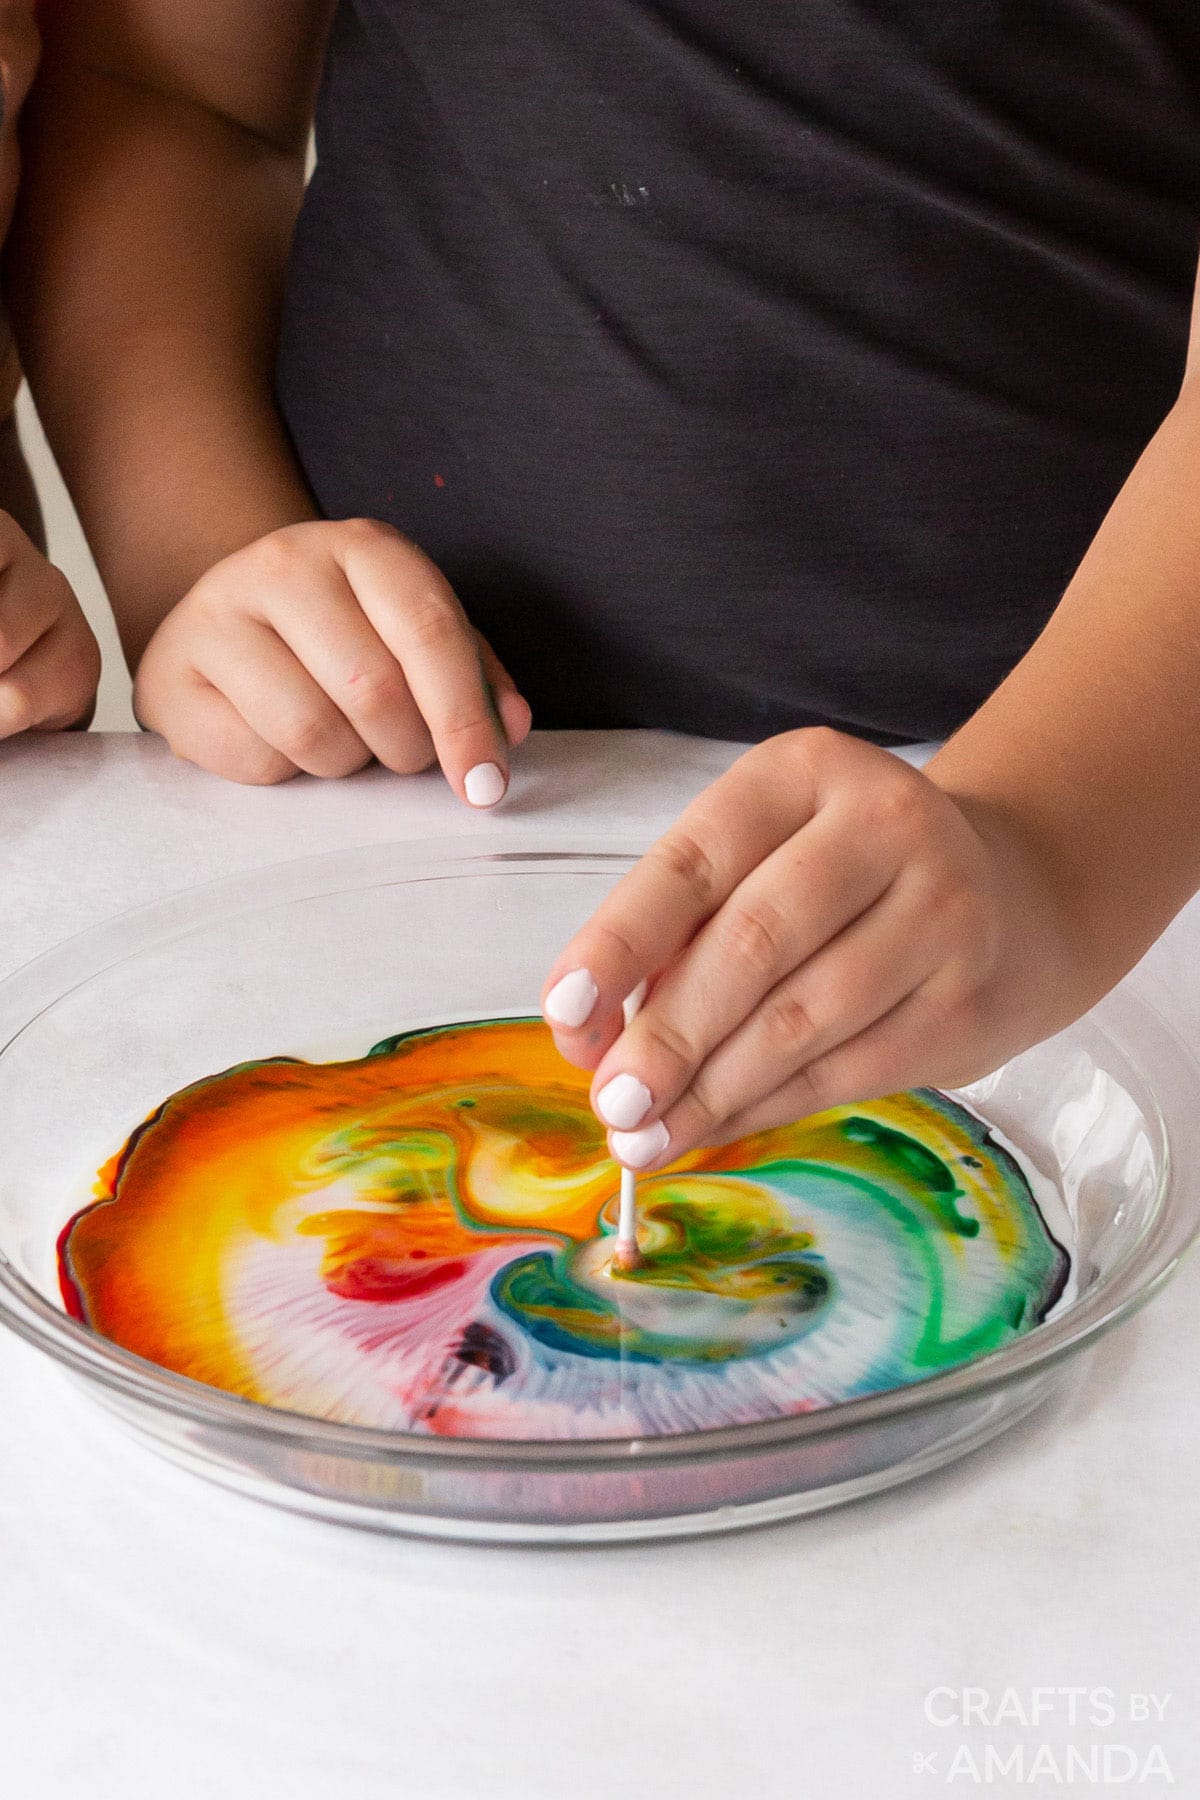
(321, 646)
(823, 925)
(49, 660)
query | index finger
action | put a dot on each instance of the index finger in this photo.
(653, 914)
(419, 617)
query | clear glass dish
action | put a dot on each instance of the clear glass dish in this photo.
(347, 949)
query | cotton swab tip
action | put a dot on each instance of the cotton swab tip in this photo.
(626, 1255)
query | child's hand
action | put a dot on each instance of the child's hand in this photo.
(321, 646)
(822, 925)
(49, 660)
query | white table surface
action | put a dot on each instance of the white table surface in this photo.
(162, 1640)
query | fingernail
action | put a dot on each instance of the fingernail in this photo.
(631, 1005)
(484, 784)
(637, 1148)
(570, 1001)
(624, 1102)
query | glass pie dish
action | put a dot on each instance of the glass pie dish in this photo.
(349, 949)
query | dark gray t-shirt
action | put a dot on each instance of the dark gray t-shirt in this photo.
(746, 365)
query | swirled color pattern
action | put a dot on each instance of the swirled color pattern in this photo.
(421, 1240)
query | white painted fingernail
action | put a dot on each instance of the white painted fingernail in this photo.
(570, 1001)
(637, 1148)
(624, 1102)
(484, 784)
(631, 1005)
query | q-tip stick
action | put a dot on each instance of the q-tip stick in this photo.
(626, 1254)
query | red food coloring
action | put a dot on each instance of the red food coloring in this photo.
(383, 1279)
(72, 1299)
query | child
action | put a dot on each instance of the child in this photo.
(49, 661)
(762, 370)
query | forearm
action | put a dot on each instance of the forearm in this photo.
(146, 272)
(1089, 753)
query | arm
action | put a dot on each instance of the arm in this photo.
(825, 924)
(1090, 751)
(165, 168)
(18, 61)
(49, 660)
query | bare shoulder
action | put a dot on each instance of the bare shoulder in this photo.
(254, 61)
(19, 50)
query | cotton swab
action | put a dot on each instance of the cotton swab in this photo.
(626, 1254)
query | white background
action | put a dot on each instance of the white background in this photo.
(160, 1640)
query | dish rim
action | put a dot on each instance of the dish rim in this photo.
(1146, 1265)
